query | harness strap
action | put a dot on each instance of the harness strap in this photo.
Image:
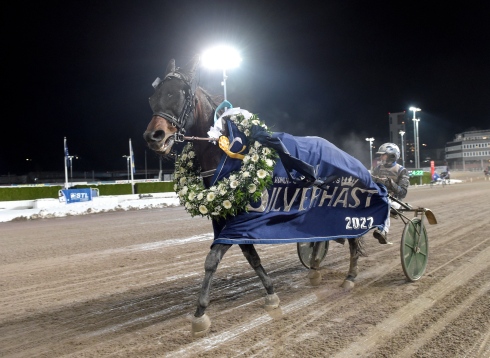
(208, 173)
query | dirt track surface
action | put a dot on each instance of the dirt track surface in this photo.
(124, 284)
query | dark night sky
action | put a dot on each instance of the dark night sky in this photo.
(83, 69)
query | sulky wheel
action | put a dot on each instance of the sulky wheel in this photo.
(414, 249)
(305, 250)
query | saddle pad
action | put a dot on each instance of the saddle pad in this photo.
(348, 206)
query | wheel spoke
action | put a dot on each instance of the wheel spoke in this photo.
(414, 249)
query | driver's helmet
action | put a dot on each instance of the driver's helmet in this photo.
(392, 150)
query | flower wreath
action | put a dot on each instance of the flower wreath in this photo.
(231, 195)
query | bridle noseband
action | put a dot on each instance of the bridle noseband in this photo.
(178, 122)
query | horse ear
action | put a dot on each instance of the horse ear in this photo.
(170, 67)
(191, 67)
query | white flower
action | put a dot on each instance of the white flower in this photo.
(247, 181)
(261, 173)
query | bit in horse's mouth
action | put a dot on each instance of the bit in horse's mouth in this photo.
(167, 145)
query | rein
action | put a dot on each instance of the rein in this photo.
(210, 139)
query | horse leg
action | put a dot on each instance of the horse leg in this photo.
(201, 321)
(271, 300)
(314, 274)
(356, 250)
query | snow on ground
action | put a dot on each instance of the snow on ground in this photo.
(49, 208)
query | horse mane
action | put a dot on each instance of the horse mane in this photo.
(213, 99)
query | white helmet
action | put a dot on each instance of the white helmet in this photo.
(392, 150)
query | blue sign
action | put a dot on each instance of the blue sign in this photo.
(77, 195)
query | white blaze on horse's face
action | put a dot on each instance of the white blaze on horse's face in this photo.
(166, 137)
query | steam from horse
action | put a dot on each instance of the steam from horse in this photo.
(183, 111)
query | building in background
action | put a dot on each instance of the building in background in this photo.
(469, 151)
(397, 122)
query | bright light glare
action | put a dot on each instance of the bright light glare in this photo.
(221, 57)
(414, 109)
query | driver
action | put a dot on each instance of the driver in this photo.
(394, 177)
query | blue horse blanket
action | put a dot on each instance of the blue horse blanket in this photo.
(348, 204)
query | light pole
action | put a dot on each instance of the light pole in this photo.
(403, 147)
(222, 57)
(128, 159)
(70, 158)
(370, 140)
(416, 136)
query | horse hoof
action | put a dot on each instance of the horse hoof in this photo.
(347, 284)
(271, 302)
(315, 277)
(200, 326)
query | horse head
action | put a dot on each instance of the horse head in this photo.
(178, 110)
(173, 106)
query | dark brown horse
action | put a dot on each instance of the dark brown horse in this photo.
(179, 112)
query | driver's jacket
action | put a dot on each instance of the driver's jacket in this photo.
(399, 183)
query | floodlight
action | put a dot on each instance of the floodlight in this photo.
(221, 57)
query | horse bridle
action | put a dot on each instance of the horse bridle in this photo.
(180, 121)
